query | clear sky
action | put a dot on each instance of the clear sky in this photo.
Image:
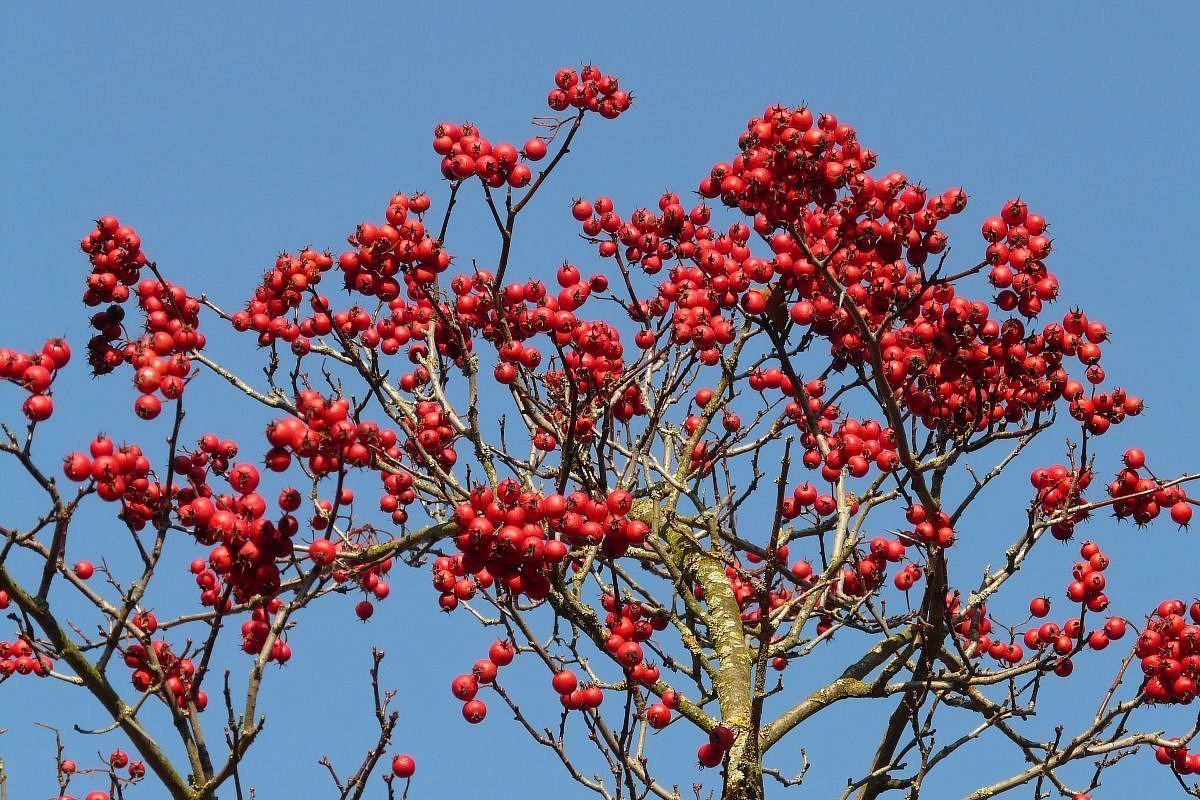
(226, 132)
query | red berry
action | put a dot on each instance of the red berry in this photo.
(565, 682)
(465, 687)
(403, 766)
(658, 716)
(501, 653)
(474, 711)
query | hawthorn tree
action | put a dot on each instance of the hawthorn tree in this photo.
(743, 445)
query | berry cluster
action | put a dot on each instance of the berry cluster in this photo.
(1017, 245)
(573, 696)
(1179, 759)
(747, 585)
(854, 447)
(120, 474)
(1101, 410)
(119, 759)
(509, 536)
(281, 292)
(115, 251)
(400, 245)
(629, 624)
(869, 571)
(805, 180)
(370, 577)
(159, 668)
(1169, 649)
(590, 90)
(658, 715)
(973, 626)
(257, 629)
(245, 543)
(466, 686)
(171, 316)
(930, 529)
(326, 437)
(35, 372)
(1143, 497)
(466, 152)
(712, 752)
(1086, 587)
(431, 436)
(159, 360)
(1057, 488)
(20, 658)
(1088, 581)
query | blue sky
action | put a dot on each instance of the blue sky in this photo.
(227, 132)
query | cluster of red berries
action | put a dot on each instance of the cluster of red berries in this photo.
(650, 239)
(695, 296)
(593, 359)
(507, 536)
(171, 315)
(430, 436)
(868, 572)
(658, 715)
(257, 629)
(245, 542)
(35, 372)
(593, 352)
(1088, 581)
(1072, 635)
(1017, 245)
(384, 255)
(958, 368)
(806, 182)
(160, 668)
(282, 289)
(119, 759)
(930, 529)
(326, 437)
(1101, 410)
(573, 696)
(115, 251)
(855, 447)
(814, 156)
(370, 580)
(973, 626)
(451, 579)
(747, 585)
(466, 686)
(466, 152)
(20, 658)
(589, 89)
(1169, 649)
(1179, 759)
(1144, 497)
(159, 360)
(712, 752)
(1060, 487)
(804, 497)
(400, 245)
(629, 624)
(120, 474)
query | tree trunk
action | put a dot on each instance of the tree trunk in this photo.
(743, 771)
